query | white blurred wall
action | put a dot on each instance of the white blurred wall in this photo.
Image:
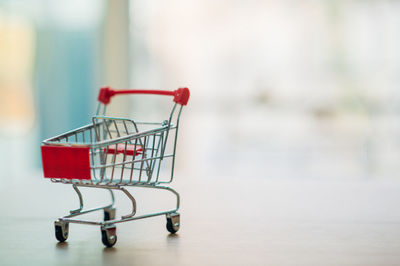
(279, 88)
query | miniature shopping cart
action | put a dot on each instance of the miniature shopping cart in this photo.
(113, 153)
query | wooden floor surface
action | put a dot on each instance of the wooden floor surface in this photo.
(225, 221)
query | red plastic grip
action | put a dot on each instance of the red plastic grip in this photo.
(131, 149)
(181, 95)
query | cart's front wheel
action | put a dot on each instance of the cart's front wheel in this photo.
(61, 230)
(109, 235)
(173, 222)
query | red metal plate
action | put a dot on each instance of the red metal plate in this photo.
(66, 162)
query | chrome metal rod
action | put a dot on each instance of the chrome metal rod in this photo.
(80, 200)
(83, 212)
(80, 221)
(112, 199)
(133, 203)
(138, 217)
(116, 221)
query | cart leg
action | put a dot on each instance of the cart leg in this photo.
(80, 200)
(109, 214)
(112, 198)
(109, 211)
(133, 203)
(178, 200)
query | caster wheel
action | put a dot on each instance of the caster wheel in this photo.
(109, 235)
(61, 230)
(173, 222)
(109, 214)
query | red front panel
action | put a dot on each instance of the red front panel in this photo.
(66, 162)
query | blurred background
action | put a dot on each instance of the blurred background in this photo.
(279, 89)
(288, 149)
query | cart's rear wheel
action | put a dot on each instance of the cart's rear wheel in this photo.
(109, 214)
(173, 222)
(61, 230)
(109, 235)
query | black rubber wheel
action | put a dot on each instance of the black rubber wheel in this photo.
(61, 237)
(170, 226)
(108, 237)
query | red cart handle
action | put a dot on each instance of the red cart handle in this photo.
(181, 95)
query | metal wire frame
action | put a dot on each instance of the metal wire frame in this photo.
(148, 153)
(120, 153)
